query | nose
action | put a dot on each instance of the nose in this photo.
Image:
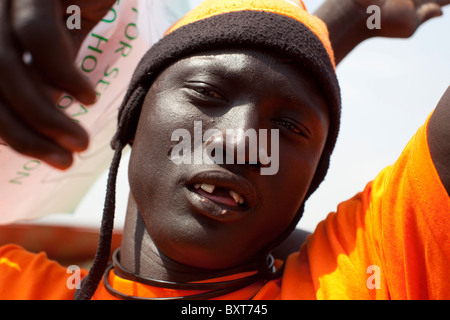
(232, 146)
(241, 139)
(236, 135)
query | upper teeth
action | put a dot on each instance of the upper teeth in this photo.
(210, 189)
(237, 197)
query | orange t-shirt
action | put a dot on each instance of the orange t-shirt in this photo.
(391, 241)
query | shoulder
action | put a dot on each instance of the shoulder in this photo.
(388, 226)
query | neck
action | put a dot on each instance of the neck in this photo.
(140, 255)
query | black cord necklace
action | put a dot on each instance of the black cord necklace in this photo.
(214, 289)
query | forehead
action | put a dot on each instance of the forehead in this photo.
(252, 67)
(243, 62)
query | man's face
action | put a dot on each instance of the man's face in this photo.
(219, 215)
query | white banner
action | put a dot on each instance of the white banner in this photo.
(29, 188)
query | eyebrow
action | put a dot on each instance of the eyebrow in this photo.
(233, 73)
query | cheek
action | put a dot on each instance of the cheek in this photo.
(298, 167)
(161, 116)
(149, 163)
(284, 192)
(154, 185)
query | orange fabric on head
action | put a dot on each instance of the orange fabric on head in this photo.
(210, 8)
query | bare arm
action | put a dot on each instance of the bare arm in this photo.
(347, 20)
(347, 24)
(439, 139)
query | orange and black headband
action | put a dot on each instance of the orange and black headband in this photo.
(273, 26)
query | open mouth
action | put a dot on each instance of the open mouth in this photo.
(221, 194)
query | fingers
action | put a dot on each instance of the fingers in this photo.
(29, 121)
(442, 2)
(39, 29)
(19, 137)
(31, 104)
(428, 11)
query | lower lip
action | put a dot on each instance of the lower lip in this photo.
(221, 201)
(217, 211)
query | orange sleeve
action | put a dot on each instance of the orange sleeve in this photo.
(391, 241)
(29, 276)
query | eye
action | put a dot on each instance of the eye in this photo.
(295, 128)
(208, 93)
(205, 90)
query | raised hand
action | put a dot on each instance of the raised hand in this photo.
(347, 20)
(401, 18)
(29, 121)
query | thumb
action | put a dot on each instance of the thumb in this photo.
(428, 11)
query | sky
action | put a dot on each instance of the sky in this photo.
(388, 87)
